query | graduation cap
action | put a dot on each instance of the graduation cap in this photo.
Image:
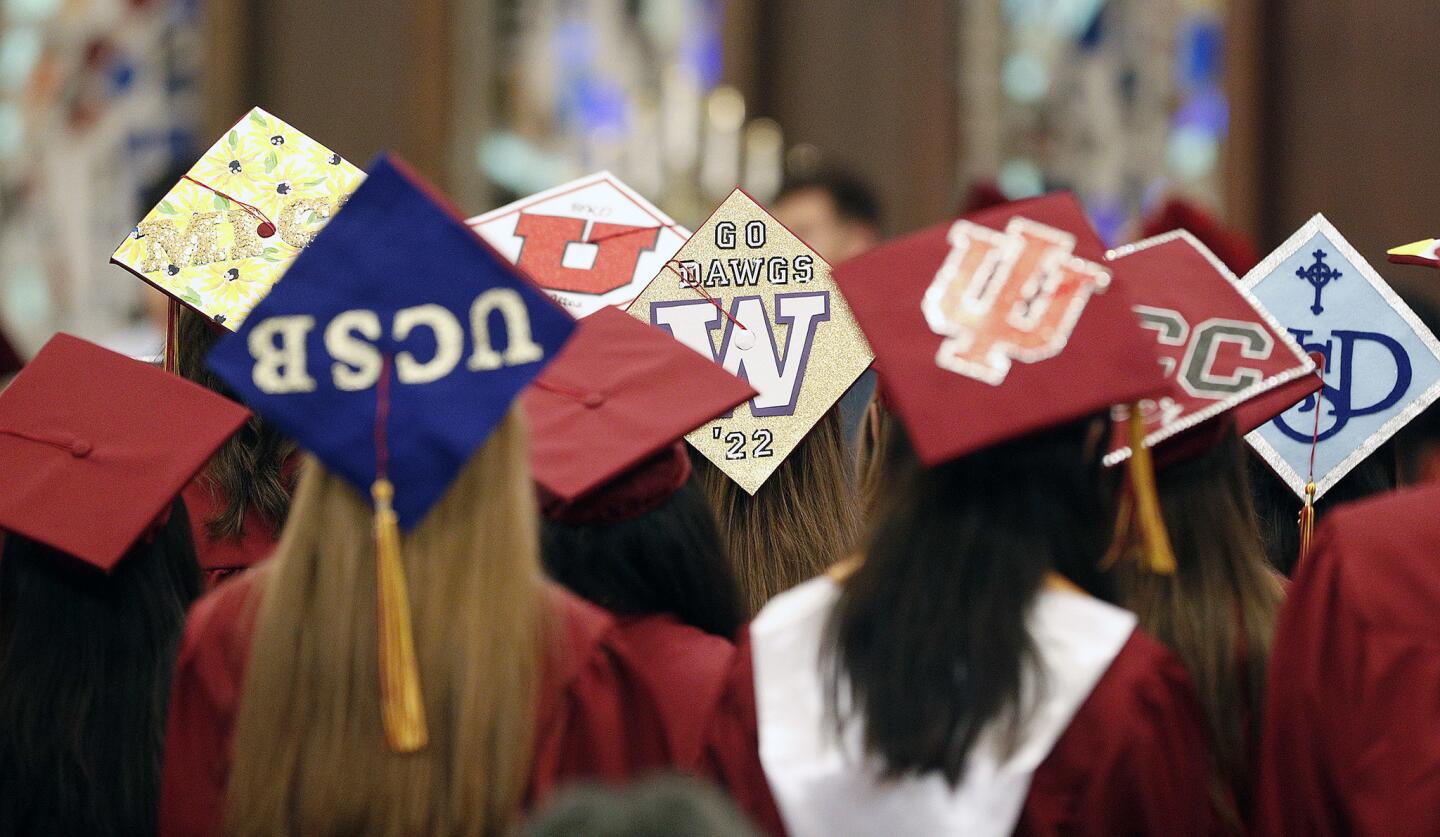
(608, 417)
(95, 447)
(748, 294)
(1218, 347)
(1001, 324)
(590, 243)
(223, 235)
(1425, 253)
(1381, 364)
(391, 351)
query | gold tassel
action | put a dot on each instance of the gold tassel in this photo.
(1158, 556)
(402, 708)
(1307, 520)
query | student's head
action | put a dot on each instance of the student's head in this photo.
(97, 571)
(956, 555)
(993, 480)
(659, 807)
(625, 525)
(85, 665)
(803, 519)
(248, 472)
(833, 211)
(666, 559)
(309, 743)
(1417, 444)
(1223, 597)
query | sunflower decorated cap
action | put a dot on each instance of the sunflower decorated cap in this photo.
(590, 243)
(223, 235)
(746, 293)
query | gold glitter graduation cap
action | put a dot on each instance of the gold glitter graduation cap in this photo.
(745, 292)
(233, 224)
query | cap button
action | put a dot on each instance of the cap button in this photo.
(80, 448)
(265, 230)
(745, 340)
(593, 399)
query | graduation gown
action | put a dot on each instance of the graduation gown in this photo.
(1116, 745)
(596, 717)
(1351, 740)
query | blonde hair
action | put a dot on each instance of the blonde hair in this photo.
(310, 755)
(802, 520)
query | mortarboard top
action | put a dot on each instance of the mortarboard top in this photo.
(1381, 364)
(1219, 348)
(95, 447)
(225, 233)
(590, 243)
(605, 415)
(745, 292)
(964, 363)
(398, 276)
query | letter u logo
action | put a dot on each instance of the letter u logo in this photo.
(1005, 296)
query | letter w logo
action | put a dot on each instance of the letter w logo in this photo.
(1007, 296)
(554, 246)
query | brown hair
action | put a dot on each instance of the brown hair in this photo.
(248, 471)
(802, 520)
(310, 754)
(1217, 613)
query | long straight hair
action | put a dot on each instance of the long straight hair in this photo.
(929, 639)
(85, 665)
(1221, 603)
(669, 560)
(802, 520)
(248, 472)
(310, 755)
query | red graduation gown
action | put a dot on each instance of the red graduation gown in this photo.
(1133, 760)
(1352, 718)
(596, 717)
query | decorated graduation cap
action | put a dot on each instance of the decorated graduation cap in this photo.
(748, 294)
(590, 243)
(1381, 364)
(1001, 324)
(223, 235)
(95, 447)
(1218, 347)
(1425, 253)
(392, 349)
(608, 417)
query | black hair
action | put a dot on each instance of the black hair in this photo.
(853, 198)
(930, 630)
(1419, 440)
(85, 665)
(670, 560)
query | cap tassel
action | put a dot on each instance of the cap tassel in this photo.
(1157, 555)
(402, 707)
(401, 704)
(1307, 511)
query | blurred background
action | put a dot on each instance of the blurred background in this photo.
(1261, 111)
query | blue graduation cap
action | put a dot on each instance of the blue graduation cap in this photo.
(395, 297)
(1381, 364)
(391, 350)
